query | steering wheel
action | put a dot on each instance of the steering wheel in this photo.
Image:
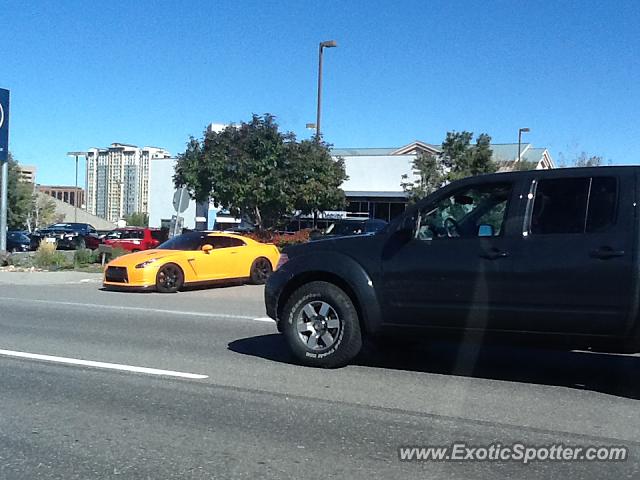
(451, 227)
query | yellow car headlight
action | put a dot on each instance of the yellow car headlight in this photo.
(146, 262)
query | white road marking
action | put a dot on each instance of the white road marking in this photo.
(104, 365)
(140, 309)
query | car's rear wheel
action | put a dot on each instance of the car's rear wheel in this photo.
(322, 326)
(260, 270)
(169, 278)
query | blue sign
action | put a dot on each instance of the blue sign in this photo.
(4, 125)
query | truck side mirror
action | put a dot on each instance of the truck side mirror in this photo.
(485, 230)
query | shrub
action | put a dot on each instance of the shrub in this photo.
(83, 256)
(47, 257)
(281, 240)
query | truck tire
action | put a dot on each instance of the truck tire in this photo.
(321, 326)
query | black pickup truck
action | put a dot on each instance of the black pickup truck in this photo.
(547, 256)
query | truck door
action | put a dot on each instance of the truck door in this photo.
(573, 263)
(456, 269)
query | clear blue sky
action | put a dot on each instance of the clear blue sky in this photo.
(86, 74)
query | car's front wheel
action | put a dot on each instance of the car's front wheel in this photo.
(321, 325)
(169, 278)
(260, 271)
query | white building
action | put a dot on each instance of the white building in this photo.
(117, 181)
(375, 174)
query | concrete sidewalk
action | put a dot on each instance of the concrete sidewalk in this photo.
(48, 278)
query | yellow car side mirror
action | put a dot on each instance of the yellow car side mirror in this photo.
(206, 248)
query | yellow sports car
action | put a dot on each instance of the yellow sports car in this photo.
(191, 259)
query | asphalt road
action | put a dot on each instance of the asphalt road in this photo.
(252, 413)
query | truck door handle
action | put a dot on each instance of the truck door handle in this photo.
(606, 253)
(494, 254)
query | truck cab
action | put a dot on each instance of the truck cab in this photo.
(547, 255)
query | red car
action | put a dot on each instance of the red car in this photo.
(134, 239)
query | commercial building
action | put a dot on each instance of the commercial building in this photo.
(375, 174)
(72, 195)
(118, 179)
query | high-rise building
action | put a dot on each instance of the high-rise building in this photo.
(27, 173)
(118, 179)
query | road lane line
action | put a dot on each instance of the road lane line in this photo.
(137, 309)
(103, 365)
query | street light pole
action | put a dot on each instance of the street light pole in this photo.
(327, 44)
(75, 195)
(520, 130)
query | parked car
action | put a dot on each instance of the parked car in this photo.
(68, 236)
(135, 239)
(193, 258)
(550, 256)
(345, 227)
(18, 241)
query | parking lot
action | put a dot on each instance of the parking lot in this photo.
(229, 402)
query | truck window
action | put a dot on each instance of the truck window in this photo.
(573, 205)
(462, 214)
(602, 204)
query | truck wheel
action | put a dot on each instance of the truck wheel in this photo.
(321, 326)
(260, 271)
(169, 278)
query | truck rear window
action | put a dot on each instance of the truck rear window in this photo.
(574, 205)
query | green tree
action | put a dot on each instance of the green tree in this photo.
(20, 198)
(255, 171)
(430, 177)
(137, 219)
(462, 159)
(316, 176)
(459, 158)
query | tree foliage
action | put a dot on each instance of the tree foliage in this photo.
(459, 158)
(255, 171)
(137, 219)
(583, 159)
(431, 176)
(43, 212)
(20, 198)
(462, 159)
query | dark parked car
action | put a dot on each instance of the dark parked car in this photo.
(67, 236)
(549, 256)
(18, 241)
(346, 227)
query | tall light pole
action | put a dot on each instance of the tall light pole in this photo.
(520, 130)
(323, 45)
(75, 195)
